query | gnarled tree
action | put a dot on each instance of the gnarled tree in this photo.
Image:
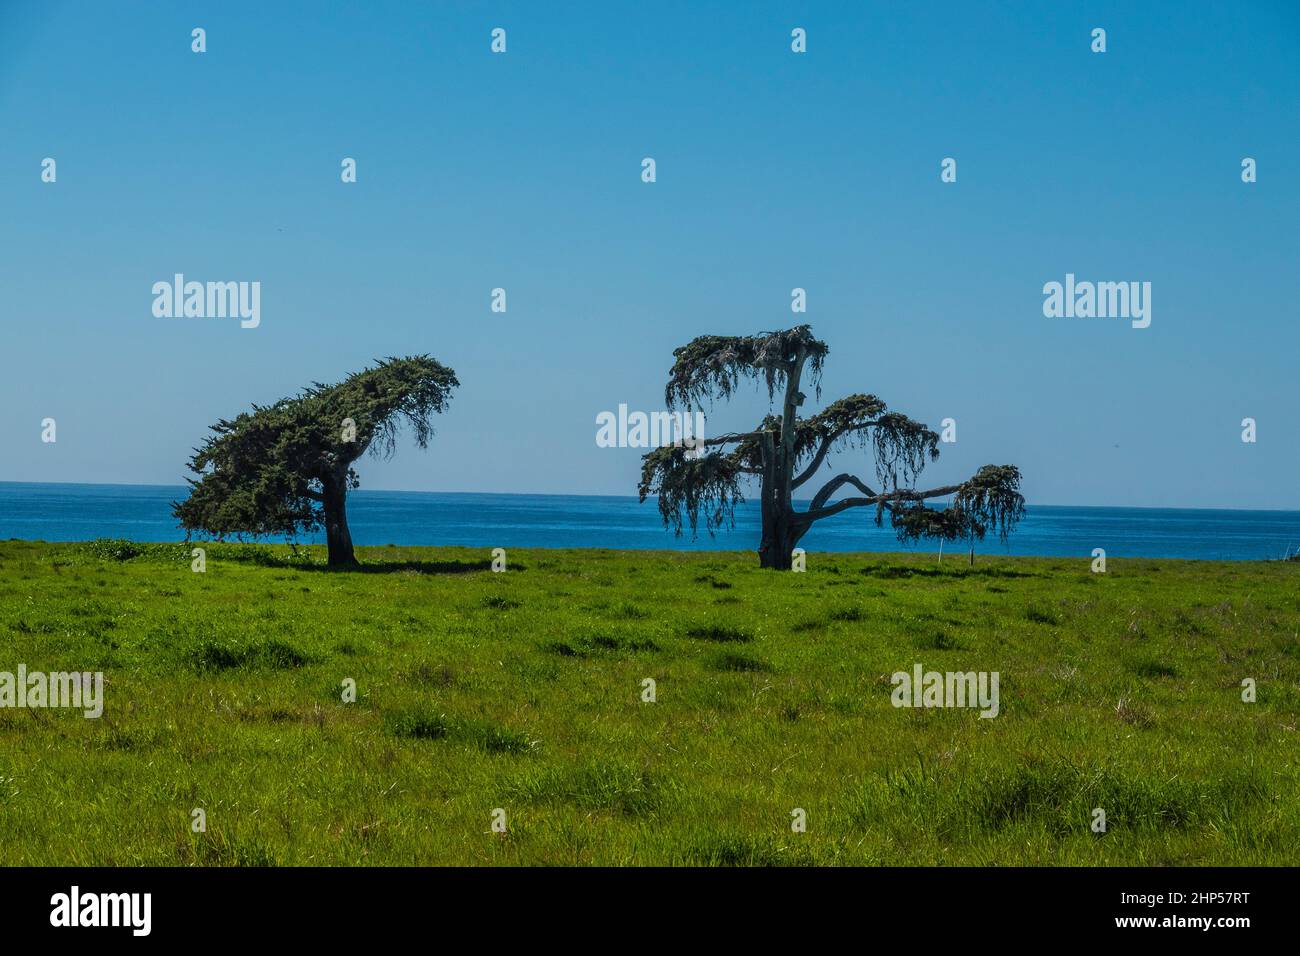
(785, 451)
(287, 468)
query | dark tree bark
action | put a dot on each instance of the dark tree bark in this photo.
(338, 538)
(781, 524)
(777, 548)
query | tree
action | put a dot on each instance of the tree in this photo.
(287, 468)
(784, 452)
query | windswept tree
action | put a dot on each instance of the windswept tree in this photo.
(785, 452)
(287, 468)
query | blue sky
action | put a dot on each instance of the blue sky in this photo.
(775, 170)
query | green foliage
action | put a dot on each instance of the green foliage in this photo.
(269, 471)
(210, 655)
(989, 501)
(713, 365)
(223, 691)
(424, 724)
(841, 423)
(901, 449)
(118, 549)
(685, 486)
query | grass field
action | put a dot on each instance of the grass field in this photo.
(522, 691)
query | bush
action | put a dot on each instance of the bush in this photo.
(119, 549)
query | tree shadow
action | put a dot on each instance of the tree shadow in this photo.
(894, 571)
(413, 567)
(374, 567)
(302, 561)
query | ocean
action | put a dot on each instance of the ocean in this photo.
(77, 512)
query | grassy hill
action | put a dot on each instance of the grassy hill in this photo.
(522, 691)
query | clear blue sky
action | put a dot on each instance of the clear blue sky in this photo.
(775, 170)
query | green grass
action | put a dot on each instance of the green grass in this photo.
(523, 691)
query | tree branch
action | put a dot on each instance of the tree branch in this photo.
(833, 485)
(886, 499)
(730, 438)
(825, 450)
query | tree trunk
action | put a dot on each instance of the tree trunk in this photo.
(780, 537)
(777, 548)
(337, 536)
(769, 546)
(780, 530)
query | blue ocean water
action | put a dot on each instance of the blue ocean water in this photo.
(75, 512)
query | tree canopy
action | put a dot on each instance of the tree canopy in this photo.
(784, 452)
(286, 468)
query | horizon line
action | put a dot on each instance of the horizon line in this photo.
(570, 494)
